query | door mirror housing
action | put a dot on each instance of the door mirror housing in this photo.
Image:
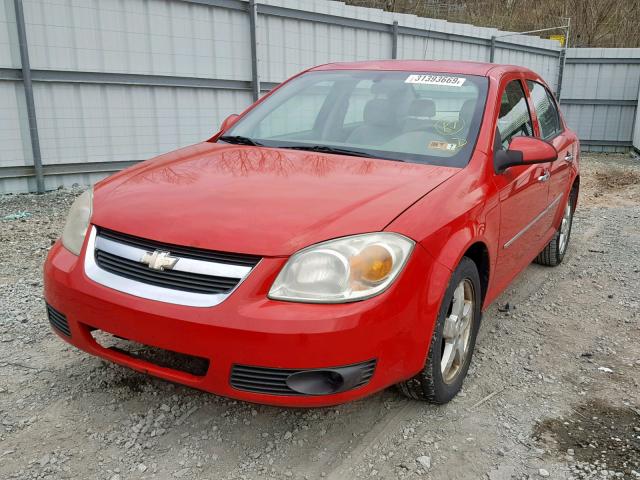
(524, 151)
(228, 122)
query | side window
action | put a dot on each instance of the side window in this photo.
(545, 109)
(514, 118)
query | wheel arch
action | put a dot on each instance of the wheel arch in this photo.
(575, 187)
(478, 252)
(468, 242)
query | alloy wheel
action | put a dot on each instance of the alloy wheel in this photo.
(565, 228)
(456, 332)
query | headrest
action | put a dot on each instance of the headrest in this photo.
(385, 87)
(422, 108)
(467, 109)
(380, 112)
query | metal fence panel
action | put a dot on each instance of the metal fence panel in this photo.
(116, 82)
(600, 96)
(14, 134)
(9, 56)
(107, 123)
(156, 37)
(287, 46)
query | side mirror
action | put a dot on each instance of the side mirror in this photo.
(228, 122)
(524, 151)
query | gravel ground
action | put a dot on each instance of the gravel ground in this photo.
(553, 390)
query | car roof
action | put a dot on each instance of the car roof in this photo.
(437, 66)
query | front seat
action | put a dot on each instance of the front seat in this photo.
(380, 123)
(466, 111)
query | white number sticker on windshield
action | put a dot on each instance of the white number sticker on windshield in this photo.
(435, 80)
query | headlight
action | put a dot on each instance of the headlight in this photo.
(343, 270)
(78, 222)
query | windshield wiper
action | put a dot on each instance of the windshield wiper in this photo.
(336, 150)
(240, 140)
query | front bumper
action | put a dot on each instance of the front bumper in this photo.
(394, 328)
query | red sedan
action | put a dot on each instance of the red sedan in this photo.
(341, 235)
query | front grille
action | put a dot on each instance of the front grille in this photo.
(201, 271)
(273, 381)
(181, 251)
(174, 279)
(58, 321)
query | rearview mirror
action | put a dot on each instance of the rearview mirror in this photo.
(228, 122)
(524, 151)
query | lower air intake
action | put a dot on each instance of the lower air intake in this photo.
(181, 362)
(58, 321)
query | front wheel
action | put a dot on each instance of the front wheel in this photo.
(453, 339)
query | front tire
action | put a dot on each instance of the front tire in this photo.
(453, 339)
(554, 252)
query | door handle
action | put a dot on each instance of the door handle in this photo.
(544, 177)
(568, 157)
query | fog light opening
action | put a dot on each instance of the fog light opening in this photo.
(316, 382)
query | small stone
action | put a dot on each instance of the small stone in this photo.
(44, 460)
(142, 468)
(425, 461)
(181, 473)
(288, 435)
(543, 473)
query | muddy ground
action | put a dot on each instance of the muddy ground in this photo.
(553, 390)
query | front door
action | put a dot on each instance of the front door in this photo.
(523, 191)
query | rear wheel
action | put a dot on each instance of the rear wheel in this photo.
(554, 252)
(452, 341)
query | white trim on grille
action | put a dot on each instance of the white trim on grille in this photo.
(153, 292)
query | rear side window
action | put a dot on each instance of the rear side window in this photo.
(514, 118)
(545, 109)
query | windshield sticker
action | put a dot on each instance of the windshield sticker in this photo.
(448, 146)
(449, 127)
(436, 80)
(435, 145)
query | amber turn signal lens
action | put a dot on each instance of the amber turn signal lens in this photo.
(371, 265)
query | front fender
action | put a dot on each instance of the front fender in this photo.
(452, 218)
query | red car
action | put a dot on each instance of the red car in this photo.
(341, 235)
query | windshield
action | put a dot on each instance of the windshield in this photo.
(407, 116)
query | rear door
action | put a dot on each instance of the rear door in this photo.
(523, 190)
(552, 130)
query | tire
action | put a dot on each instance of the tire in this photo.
(432, 384)
(554, 252)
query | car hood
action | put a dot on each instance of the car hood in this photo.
(264, 201)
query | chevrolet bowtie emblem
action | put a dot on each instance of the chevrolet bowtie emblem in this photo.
(159, 260)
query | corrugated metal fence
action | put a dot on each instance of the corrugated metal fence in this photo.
(600, 96)
(117, 82)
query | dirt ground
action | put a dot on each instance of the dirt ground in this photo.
(553, 390)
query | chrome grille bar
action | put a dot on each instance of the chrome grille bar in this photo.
(190, 282)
